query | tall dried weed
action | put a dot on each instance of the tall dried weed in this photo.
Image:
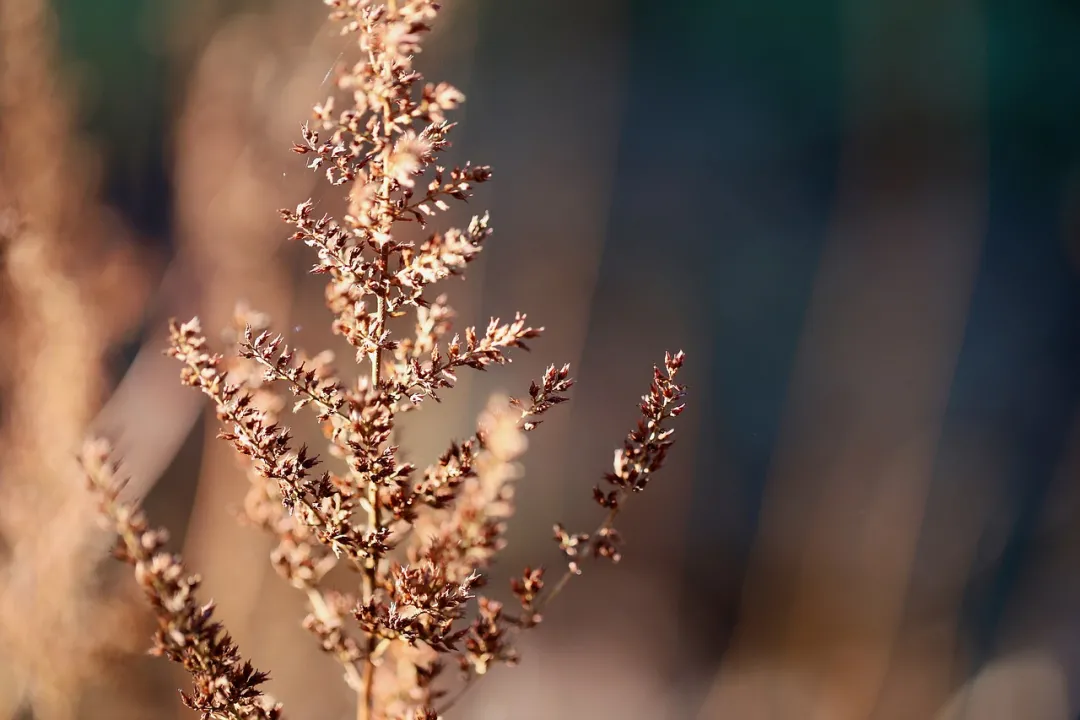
(417, 542)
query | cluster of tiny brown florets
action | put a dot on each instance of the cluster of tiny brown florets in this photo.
(418, 541)
(224, 685)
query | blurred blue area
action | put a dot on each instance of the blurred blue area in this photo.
(726, 179)
(736, 108)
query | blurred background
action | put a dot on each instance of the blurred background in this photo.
(861, 220)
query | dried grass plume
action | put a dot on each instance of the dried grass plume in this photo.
(418, 541)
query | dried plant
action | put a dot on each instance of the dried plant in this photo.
(417, 542)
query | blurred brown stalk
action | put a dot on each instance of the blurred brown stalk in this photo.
(70, 286)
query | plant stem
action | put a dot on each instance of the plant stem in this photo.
(365, 708)
(557, 588)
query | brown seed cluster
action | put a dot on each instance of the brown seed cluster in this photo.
(417, 541)
(223, 684)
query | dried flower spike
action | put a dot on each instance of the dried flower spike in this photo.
(223, 684)
(418, 542)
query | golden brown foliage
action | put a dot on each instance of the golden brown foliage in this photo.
(69, 286)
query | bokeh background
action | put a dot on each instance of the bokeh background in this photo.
(860, 219)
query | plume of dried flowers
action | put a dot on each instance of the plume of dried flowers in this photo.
(420, 541)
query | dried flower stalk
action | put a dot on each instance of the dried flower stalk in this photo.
(224, 686)
(418, 542)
